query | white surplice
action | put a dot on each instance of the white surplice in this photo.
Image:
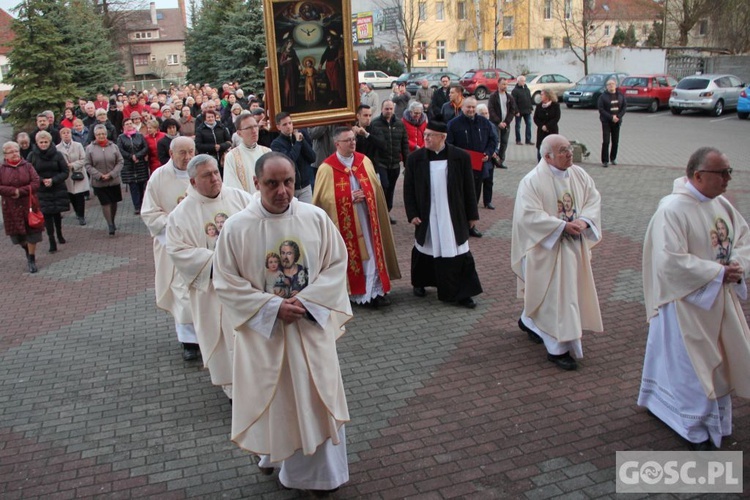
(239, 166)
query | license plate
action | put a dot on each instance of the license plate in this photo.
(631, 91)
(573, 99)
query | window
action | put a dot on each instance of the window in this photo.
(548, 9)
(507, 26)
(606, 30)
(422, 11)
(702, 27)
(140, 60)
(173, 59)
(440, 11)
(421, 51)
(140, 35)
(462, 45)
(547, 42)
(440, 44)
(4, 70)
(644, 30)
(568, 9)
(566, 42)
(461, 10)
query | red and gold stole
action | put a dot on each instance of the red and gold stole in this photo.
(347, 225)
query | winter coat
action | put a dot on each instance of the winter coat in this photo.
(162, 148)
(51, 164)
(81, 137)
(133, 171)
(549, 116)
(522, 98)
(414, 130)
(111, 131)
(206, 140)
(104, 160)
(396, 143)
(24, 178)
(153, 152)
(75, 157)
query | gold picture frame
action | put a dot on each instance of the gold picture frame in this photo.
(311, 67)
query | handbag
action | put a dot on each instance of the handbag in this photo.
(76, 176)
(35, 217)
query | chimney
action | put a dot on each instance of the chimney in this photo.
(153, 13)
(181, 5)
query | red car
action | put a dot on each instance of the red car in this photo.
(482, 82)
(649, 91)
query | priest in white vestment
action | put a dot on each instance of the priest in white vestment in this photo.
(192, 230)
(349, 190)
(165, 189)
(556, 222)
(239, 162)
(289, 401)
(440, 203)
(695, 260)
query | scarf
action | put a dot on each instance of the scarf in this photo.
(130, 133)
(103, 143)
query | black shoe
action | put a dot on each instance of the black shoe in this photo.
(489, 206)
(61, 240)
(605, 164)
(564, 361)
(519, 143)
(190, 352)
(31, 260)
(112, 229)
(81, 221)
(706, 445)
(467, 303)
(380, 301)
(473, 231)
(393, 221)
(419, 291)
(52, 247)
(503, 165)
(531, 333)
(529, 143)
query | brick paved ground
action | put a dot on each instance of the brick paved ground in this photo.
(95, 399)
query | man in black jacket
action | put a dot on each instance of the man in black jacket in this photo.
(441, 258)
(439, 97)
(524, 107)
(502, 109)
(611, 110)
(298, 147)
(395, 151)
(369, 139)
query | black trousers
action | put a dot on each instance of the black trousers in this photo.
(78, 200)
(504, 134)
(610, 130)
(388, 179)
(456, 277)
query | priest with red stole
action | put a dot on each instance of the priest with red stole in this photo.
(348, 189)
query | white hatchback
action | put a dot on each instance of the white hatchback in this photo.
(377, 79)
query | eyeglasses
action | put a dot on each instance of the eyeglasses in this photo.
(352, 139)
(251, 127)
(724, 173)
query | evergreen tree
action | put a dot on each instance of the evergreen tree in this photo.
(97, 63)
(655, 36)
(207, 40)
(630, 39)
(619, 37)
(244, 54)
(41, 67)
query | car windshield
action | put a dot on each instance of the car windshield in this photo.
(592, 80)
(635, 82)
(693, 83)
(530, 77)
(468, 74)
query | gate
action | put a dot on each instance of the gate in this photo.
(680, 65)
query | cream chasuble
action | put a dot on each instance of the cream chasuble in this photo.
(289, 394)
(165, 189)
(192, 229)
(553, 268)
(689, 239)
(239, 166)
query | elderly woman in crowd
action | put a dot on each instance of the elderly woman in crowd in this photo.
(415, 121)
(24, 142)
(153, 137)
(52, 168)
(172, 130)
(101, 118)
(187, 122)
(104, 164)
(546, 118)
(80, 133)
(212, 138)
(19, 180)
(134, 151)
(77, 183)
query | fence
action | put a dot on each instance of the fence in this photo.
(159, 84)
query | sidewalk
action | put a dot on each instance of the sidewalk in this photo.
(95, 400)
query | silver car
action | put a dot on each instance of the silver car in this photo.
(710, 93)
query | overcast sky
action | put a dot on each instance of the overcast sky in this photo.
(7, 5)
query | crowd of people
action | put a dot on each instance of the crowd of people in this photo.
(264, 240)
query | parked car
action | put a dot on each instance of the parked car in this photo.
(710, 93)
(482, 82)
(743, 104)
(377, 79)
(550, 82)
(649, 91)
(587, 90)
(407, 77)
(433, 80)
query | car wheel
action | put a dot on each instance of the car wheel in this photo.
(480, 93)
(675, 111)
(568, 105)
(718, 108)
(742, 115)
(537, 98)
(654, 106)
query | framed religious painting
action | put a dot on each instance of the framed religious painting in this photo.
(310, 59)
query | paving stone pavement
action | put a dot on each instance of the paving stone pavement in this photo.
(95, 400)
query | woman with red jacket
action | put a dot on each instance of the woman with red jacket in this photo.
(153, 136)
(415, 121)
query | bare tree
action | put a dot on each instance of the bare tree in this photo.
(730, 25)
(685, 14)
(582, 28)
(408, 27)
(486, 20)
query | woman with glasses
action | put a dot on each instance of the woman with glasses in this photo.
(19, 180)
(134, 151)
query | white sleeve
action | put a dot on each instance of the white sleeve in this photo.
(265, 319)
